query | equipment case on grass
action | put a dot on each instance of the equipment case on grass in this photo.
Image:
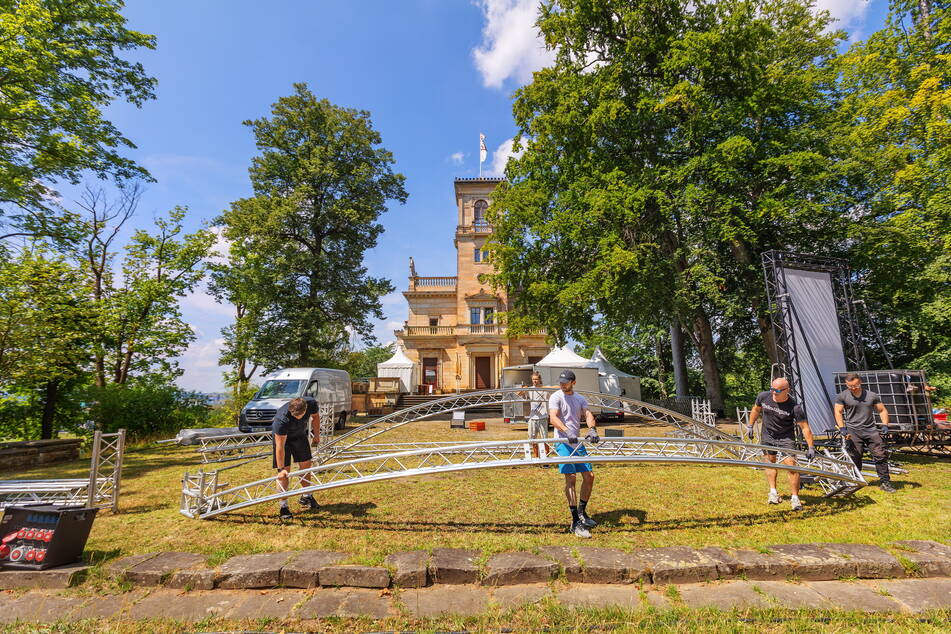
(42, 536)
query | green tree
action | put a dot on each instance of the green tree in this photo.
(321, 182)
(898, 97)
(45, 319)
(139, 327)
(362, 363)
(61, 65)
(668, 146)
(240, 280)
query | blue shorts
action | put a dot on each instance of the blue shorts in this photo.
(564, 449)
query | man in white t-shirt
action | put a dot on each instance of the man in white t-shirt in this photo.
(565, 408)
(537, 413)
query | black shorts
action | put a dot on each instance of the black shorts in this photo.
(296, 449)
(779, 443)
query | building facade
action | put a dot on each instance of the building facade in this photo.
(451, 332)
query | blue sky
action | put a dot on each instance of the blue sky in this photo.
(433, 74)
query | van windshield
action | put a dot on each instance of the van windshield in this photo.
(279, 389)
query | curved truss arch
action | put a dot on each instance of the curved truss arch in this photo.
(690, 427)
(205, 496)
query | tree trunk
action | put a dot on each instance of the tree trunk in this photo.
(681, 386)
(659, 359)
(924, 18)
(100, 370)
(703, 334)
(49, 410)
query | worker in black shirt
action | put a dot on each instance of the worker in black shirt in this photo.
(290, 443)
(855, 417)
(781, 414)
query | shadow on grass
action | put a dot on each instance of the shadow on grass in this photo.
(94, 557)
(818, 507)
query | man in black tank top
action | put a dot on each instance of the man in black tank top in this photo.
(781, 414)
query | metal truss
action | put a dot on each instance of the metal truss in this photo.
(99, 490)
(783, 313)
(701, 410)
(690, 427)
(930, 441)
(228, 447)
(225, 448)
(204, 495)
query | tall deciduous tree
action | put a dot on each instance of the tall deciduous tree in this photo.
(898, 97)
(321, 182)
(46, 321)
(139, 328)
(670, 144)
(61, 65)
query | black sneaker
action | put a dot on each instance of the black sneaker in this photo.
(286, 514)
(309, 502)
(886, 487)
(586, 520)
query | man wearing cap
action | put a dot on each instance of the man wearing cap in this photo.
(565, 409)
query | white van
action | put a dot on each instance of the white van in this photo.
(331, 388)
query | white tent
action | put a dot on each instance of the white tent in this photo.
(614, 381)
(402, 366)
(565, 358)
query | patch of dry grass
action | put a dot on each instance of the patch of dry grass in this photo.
(510, 509)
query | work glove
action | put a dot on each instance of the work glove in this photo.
(592, 436)
(749, 431)
(810, 453)
(572, 440)
(883, 429)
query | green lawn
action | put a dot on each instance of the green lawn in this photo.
(550, 617)
(507, 509)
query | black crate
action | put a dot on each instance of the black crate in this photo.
(70, 529)
(903, 394)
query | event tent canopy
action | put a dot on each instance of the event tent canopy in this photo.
(399, 365)
(566, 358)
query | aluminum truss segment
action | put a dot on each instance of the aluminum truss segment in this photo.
(99, 490)
(350, 441)
(228, 447)
(203, 496)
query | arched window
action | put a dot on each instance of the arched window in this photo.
(479, 213)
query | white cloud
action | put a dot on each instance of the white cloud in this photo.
(848, 12)
(500, 157)
(221, 248)
(511, 46)
(457, 157)
(200, 365)
(202, 303)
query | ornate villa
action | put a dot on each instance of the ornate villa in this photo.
(451, 333)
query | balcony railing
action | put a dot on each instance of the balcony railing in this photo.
(481, 329)
(429, 331)
(432, 283)
(452, 331)
(476, 227)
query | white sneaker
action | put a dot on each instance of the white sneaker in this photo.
(795, 503)
(774, 498)
(580, 530)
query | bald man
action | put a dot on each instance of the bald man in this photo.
(781, 414)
